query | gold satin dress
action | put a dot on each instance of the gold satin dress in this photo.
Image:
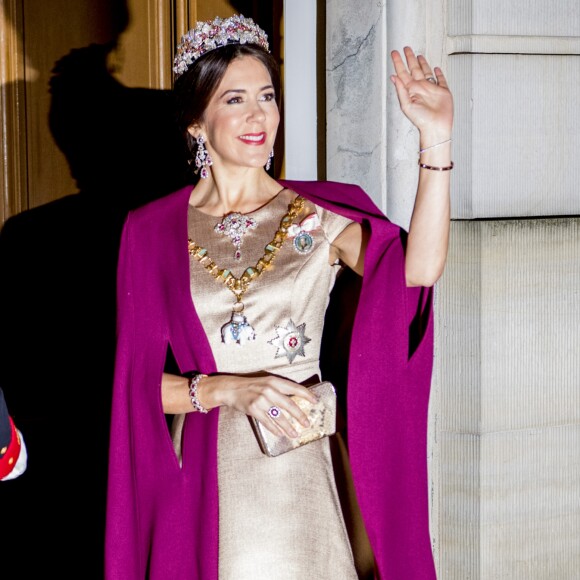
(279, 517)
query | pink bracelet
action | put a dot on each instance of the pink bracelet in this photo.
(434, 168)
(193, 382)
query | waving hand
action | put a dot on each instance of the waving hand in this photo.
(423, 93)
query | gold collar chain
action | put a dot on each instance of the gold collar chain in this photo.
(240, 285)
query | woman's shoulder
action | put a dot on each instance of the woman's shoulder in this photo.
(346, 199)
(349, 201)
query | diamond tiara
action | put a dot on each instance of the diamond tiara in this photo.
(212, 34)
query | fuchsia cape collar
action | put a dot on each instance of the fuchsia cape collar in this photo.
(162, 519)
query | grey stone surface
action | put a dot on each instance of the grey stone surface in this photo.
(514, 18)
(356, 95)
(506, 402)
(502, 171)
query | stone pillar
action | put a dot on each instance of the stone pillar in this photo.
(507, 401)
(507, 361)
(356, 116)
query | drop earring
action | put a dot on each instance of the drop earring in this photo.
(269, 162)
(202, 158)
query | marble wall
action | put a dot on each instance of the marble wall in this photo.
(356, 116)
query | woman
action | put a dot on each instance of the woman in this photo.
(198, 281)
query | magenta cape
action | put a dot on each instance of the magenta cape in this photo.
(162, 520)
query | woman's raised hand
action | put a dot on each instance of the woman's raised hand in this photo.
(423, 93)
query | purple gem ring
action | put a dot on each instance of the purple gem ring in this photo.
(274, 412)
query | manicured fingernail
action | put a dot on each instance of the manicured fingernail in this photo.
(293, 433)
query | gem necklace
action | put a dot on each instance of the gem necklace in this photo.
(238, 329)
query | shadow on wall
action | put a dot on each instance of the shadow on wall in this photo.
(57, 333)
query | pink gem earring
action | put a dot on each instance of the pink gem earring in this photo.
(202, 158)
(269, 162)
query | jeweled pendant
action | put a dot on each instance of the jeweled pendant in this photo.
(236, 225)
(238, 330)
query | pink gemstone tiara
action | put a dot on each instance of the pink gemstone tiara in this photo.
(214, 33)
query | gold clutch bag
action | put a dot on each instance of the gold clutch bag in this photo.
(322, 417)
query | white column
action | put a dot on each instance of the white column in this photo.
(300, 122)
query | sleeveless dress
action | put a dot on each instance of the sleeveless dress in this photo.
(279, 517)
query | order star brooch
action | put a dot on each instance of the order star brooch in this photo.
(290, 341)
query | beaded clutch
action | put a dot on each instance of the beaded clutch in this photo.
(322, 417)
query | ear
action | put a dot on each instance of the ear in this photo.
(194, 130)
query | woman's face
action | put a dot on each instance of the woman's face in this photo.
(242, 117)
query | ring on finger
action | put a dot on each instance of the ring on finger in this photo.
(431, 79)
(274, 412)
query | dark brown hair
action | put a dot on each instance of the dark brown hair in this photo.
(196, 86)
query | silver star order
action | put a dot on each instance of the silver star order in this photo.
(290, 340)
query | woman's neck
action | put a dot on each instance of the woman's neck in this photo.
(242, 191)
